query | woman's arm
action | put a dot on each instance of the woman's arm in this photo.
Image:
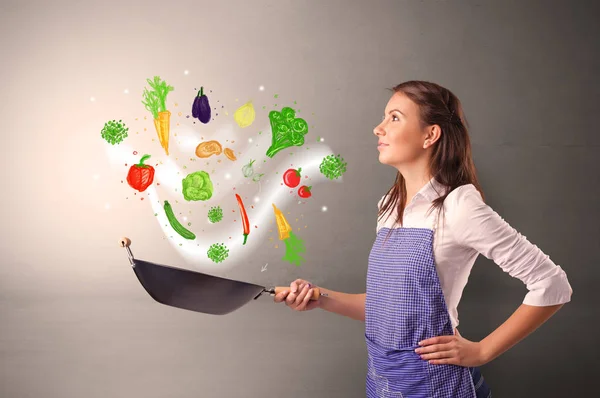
(476, 226)
(457, 350)
(298, 296)
(519, 325)
(350, 305)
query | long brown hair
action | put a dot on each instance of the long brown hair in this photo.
(451, 162)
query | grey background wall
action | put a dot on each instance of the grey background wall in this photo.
(74, 321)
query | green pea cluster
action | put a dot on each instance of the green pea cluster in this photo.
(215, 214)
(114, 132)
(217, 252)
(333, 167)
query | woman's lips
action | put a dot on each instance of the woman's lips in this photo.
(381, 146)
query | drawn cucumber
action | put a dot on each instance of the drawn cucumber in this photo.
(180, 229)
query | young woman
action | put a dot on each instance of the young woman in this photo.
(432, 225)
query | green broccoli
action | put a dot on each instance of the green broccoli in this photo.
(286, 130)
(215, 214)
(197, 186)
(114, 132)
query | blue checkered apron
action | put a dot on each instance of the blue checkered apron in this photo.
(404, 305)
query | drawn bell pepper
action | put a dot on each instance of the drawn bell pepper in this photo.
(140, 176)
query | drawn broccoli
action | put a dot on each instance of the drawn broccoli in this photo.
(286, 129)
(333, 167)
(217, 252)
(197, 186)
(215, 214)
(114, 132)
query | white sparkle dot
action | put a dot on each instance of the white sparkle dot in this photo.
(96, 176)
(92, 99)
(256, 199)
(322, 139)
(262, 88)
(249, 139)
(184, 218)
(107, 206)
(186, 72)
(227, 176)
(126, 91)
(324, 208)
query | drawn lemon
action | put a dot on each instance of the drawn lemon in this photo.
(244, 115)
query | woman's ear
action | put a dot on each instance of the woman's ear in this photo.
(433, 135)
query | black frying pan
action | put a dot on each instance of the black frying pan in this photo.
(196, 291)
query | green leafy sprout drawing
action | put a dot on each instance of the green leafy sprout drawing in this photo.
(155, 101)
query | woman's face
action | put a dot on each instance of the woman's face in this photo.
(402, 139)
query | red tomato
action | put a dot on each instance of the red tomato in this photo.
(292, 177)
(304, 192)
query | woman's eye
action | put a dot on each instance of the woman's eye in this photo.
(395, 118)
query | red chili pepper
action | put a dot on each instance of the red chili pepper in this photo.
(140, 175)
(244, 218)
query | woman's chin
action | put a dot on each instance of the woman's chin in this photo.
(383, 159)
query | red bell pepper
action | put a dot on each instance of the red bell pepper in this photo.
(140, 175)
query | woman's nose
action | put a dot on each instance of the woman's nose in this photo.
(378, 130)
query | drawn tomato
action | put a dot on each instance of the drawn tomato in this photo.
(292, 177)
(304, 192)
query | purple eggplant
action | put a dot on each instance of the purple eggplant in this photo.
(201, 107)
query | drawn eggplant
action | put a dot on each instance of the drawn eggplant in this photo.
(201, 107)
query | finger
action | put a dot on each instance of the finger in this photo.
(433, 348)
(291, 298)
(279, 297)
(304, 304)
(295, 284)
(302, 294)
(438, 355)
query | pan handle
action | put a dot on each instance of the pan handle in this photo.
(279, 289)
(126, 242)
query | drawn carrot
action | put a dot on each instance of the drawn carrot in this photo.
(156, 102)
(294, 246)
(244, 217)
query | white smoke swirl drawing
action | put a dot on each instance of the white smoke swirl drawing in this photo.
(227, 175)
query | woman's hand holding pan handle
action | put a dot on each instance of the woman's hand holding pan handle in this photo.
(298, 296)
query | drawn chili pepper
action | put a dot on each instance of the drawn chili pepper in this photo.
(244, 217)
(140, 175)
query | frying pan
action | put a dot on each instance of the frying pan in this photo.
(196, 291)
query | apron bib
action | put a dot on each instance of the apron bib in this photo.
(404, 305)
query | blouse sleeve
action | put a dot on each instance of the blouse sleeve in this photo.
(477, 226)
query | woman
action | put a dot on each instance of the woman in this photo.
(432, 225)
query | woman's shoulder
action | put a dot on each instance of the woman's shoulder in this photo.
(463, 201)
(464, 194)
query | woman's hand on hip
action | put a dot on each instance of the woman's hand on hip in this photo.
(297, 297)
(455, 350)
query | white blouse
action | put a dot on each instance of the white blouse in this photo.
(472, 227)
